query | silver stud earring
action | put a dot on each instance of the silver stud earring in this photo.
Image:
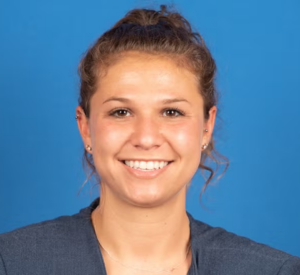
(77, 116)
(88, 147)
(204, 146)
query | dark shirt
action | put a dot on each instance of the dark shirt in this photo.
(68, 245)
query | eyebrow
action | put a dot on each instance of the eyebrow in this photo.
(174, 100)
(113, 98)
(165, 101)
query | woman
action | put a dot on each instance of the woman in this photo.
(146, 115)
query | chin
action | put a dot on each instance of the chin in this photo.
(149, 199)
(146, 200)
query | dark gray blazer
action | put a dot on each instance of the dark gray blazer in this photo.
(68, 245)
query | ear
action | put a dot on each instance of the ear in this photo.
(83, 126)
(209, 125)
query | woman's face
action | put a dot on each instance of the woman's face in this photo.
(146, 129)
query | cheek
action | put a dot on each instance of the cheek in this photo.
(186, 138)
(107, 137)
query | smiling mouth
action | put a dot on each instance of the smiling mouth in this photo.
(146, 165)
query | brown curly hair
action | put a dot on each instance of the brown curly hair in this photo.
(157, 32)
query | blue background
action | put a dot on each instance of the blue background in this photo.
(257, 48)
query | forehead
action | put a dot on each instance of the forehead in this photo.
(147, 70)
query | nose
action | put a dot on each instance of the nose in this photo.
(146, 133)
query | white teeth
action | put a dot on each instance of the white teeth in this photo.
(150, 165)
(143, 165)
(146, 165)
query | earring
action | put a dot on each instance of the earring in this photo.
(88, 147)
(77, 116)
(204, 146)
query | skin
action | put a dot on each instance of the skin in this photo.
(145, 108)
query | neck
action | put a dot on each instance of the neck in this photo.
(153, 236)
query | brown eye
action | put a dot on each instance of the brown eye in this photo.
(120, 113)
(172, 113)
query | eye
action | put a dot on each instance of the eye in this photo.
(120, 113)
(172, 112)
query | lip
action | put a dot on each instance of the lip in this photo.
(135, 159)
(144, 174)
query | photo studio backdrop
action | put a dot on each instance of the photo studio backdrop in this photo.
(256, 45)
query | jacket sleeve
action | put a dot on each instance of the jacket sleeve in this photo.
(2, 266)
(290, 267)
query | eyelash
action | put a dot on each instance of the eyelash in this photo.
(115, 111)
(179, 112)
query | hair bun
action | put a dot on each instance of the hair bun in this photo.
(164, 16)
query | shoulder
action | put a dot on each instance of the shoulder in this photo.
(44, 233)
(50, 246)
(223, 250)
